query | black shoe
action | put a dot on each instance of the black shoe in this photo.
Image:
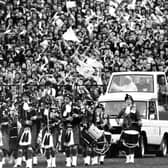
(101, 163)
(86, 164)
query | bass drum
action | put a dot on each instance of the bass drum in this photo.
(96, 138)
(130, 138)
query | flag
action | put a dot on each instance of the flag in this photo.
(44, 44)
(70, 35)
(70, 4)
(59, 22)
(85, 70)
(56, 19)
(89, 71)
(94, 63)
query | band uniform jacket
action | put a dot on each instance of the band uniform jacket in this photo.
(52, 125)
(74, 124)
(131, 119)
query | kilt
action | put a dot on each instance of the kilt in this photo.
(5, 138)
(76, 135)
(13, 137)
(20, 136)
(34, 132)
(54, 133)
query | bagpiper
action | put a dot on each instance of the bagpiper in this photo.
(4, 134)
(36, 118)
(14, 129)
(48, 137)
(71, 118)
(25, 150)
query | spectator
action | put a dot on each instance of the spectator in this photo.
(48, 40)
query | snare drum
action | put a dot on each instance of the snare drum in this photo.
(94, 132)
(130, 138)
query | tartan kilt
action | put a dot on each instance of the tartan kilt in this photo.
(20, 135)
(35, 129)
(5, 138)
(54, 133)
(76, 135)
(13, 138)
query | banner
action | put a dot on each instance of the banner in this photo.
(100, 0)
(71, 4)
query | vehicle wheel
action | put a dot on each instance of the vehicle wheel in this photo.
(140, 152)
(163, 148)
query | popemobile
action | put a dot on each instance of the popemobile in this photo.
(149, 92)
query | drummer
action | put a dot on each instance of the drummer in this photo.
(131, 121)
(101, 121)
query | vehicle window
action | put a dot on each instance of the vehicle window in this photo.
(162, 96)
(152, 111)
(163, 113)
(113, 108)
(131, 83)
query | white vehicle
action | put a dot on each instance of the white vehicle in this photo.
(148, 90)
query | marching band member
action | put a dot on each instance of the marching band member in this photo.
(14, 129)
(131, 121)
(4, 135)
(36, 119)
(50, 132)
(71, 130)
(88, 110)
(100, 120)
(25, 151)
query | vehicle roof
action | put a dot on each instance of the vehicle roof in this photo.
(120, 96)
(139, 72)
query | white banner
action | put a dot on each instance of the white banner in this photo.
(100, 0)
(71, 4)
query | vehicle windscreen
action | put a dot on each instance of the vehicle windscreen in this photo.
(131, 83)
(113, 108)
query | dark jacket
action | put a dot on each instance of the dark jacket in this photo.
(130, 120)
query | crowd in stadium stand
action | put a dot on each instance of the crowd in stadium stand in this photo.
(68, 42)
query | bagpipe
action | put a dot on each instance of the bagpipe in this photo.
(99, 140)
